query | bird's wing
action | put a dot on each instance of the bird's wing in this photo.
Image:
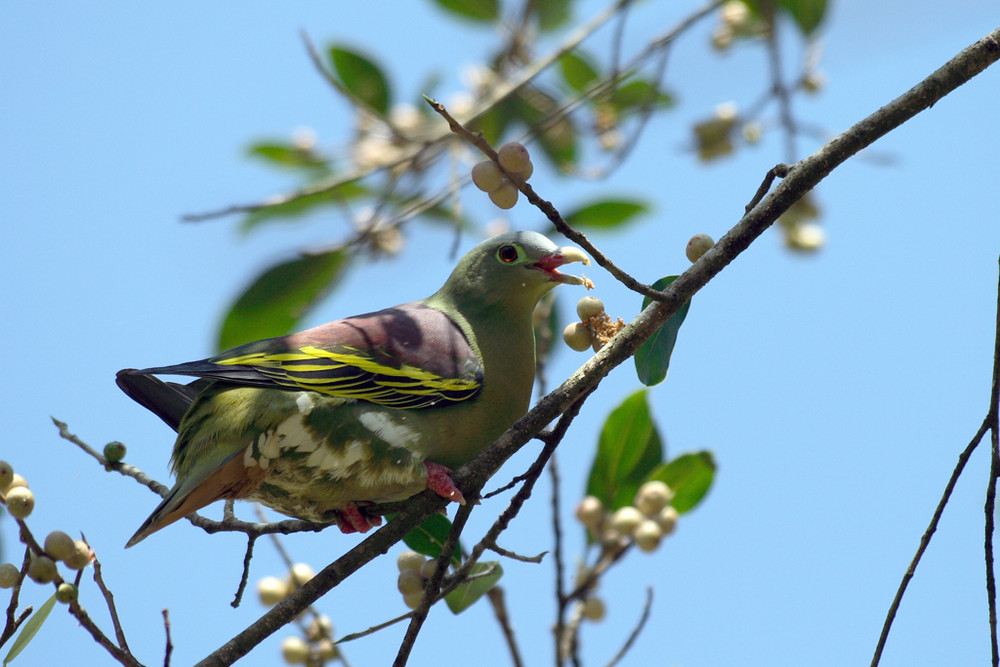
(409, 356)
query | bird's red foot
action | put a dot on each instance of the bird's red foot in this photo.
(353, 521)
(439, 481)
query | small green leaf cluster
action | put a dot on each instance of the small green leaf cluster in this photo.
(491, 179)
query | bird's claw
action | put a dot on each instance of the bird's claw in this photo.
(353, 521)
(439, 481)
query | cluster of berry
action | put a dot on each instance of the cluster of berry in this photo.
(317, 647)
(646, 523)
(58, 546)
(490, 178)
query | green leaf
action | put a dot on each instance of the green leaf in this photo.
(30, 629)
(652, 359)
(477, 10)
(362, 78)
(552, 13)
(494, 122)
(690, 476)
(639, 93)
(301, 206)
(486, 574)
(577, 70)
(286, 155)
(606, 214)
(556, 132)
(281, 296)
(429, 537)
(808, 14)
(628, 450)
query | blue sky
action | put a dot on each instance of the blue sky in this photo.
(836, 390)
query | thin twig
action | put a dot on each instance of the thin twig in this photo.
(169, 649)
(13, 621)
(557, 551)
(778, 87)
(245, 576)
(496, 597)
(646, 608)
(809, 171)
(547, 208)
(433, 585)
(375, 628)
(109, 600)
(963, 458)
(994, 419)
(497, 549)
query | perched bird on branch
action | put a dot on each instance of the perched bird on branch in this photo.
(370, 408)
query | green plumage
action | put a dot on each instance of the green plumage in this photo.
(365, 409)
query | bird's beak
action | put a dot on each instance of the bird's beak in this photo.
(549, 263)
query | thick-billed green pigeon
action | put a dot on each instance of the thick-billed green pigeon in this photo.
(370, 408)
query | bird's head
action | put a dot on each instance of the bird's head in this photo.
(511, 271)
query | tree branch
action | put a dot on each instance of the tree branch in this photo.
(801, 178)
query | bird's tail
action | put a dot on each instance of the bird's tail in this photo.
(231, 479)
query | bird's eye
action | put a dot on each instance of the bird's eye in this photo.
(507, 253)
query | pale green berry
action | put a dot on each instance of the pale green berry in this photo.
(612, 539)
(578, 336)
(527, 171)
(428, 569)
(300, 574)
(505, 195)
(114, 451)
(487, 175)
(42, 569)
(806, 236)
(409, 560)
(722, 38)
(326, 650)
(513, 156)
(590, 512)
(17, 482)
(80, 557)
(9, 575)
(667, 519)
(626, 519)
(66, 593)
(410, 582)
(20, 502)
(295, 650)
(735, 14)
(59, 545)
(648, 535)
(6, 475)
(412, 600)
(588, 307)
(271, 590)
(593, 609)
(652, 497)
(321, 627)
(813, 82)
(697, 246)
